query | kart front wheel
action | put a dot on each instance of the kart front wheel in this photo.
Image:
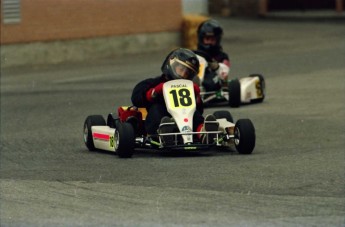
(93, 120)
(234, 93)
(223, 114)
(244, 136)
(124, 140)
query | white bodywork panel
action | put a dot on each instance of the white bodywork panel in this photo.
(180, 102)
(103, 137)
(223, 124)
(249, 89)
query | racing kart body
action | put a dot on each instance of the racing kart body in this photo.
(123, 132)
(245, 90)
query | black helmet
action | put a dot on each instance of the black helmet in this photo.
(181, 61)
(209, 28)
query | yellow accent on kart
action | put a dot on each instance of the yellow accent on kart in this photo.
(258, 88)
(201, 70)
(143, 112)
(140, 109)
(111, 141)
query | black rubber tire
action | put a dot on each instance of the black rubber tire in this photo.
(125, 139)
(234, 93)
(93, 120)
(262, 85)
(244, 136)
(223, 114)
(111, 120)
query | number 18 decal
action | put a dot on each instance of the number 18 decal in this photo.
(181, 98)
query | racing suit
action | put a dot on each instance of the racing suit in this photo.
(156, 108)
(213, 79)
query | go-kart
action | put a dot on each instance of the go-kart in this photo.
(123, 132)
(235, 92)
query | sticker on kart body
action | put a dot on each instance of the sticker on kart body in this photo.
(186, 129)
(180, 96)
(104, 138)
(258, 89)
(100, 136)
(111, 141)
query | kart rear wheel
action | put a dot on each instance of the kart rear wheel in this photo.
(261, 88)
(244, 136)
(93, 120)
(124, 140)
(234, 93)
(223, 114)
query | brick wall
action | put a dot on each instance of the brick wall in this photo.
(48, 20)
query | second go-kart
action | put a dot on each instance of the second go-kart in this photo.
(235, 92)
(124, 132)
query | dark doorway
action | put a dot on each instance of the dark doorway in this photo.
(300, 5)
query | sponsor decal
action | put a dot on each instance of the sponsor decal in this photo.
(259, 90)
(100, 136)
(178, 85)
(190, 148)
(111, 141)
(181, 97)
(186, 129)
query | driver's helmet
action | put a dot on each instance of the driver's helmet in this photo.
(213, 29)
(180, 64)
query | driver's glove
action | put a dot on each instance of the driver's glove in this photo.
(154, 92)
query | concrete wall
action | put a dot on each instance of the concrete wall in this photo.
(196, 7)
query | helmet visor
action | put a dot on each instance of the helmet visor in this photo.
(182, 69)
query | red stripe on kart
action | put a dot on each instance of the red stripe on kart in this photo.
(100, 136)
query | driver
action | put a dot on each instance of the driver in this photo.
(209, 46)
(179, 64)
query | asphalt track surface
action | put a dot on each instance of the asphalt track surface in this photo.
(295, 176)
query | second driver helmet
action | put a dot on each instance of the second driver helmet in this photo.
(209, 28)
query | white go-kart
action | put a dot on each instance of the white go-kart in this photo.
(123, 132)
(235, 92)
